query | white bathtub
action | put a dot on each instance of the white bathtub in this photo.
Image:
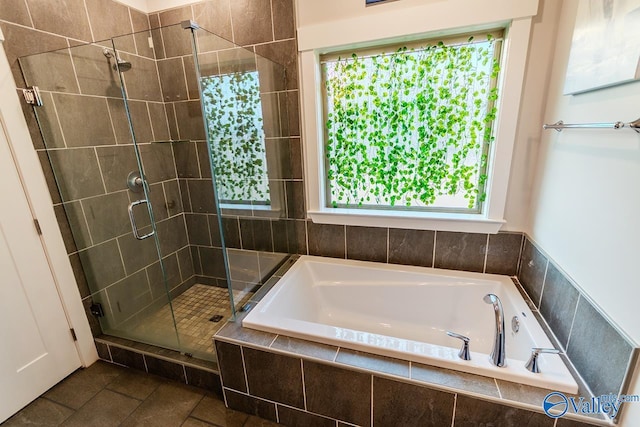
(404, 312)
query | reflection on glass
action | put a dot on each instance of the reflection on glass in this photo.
(234, 117)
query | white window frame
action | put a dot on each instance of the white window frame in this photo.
(313, 43)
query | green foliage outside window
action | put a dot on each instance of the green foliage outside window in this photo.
(412, 127)
(235, 125)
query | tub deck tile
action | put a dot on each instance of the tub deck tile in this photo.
(373, 362)
(454, 379)
(264, 289)
(235, 331)
(522, 393)
(305, 348)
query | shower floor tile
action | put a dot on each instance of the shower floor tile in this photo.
(193, 310)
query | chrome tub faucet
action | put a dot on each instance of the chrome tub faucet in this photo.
(497, 356)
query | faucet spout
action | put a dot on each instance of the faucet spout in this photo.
(498, 356)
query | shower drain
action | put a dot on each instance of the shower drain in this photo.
(216, 318)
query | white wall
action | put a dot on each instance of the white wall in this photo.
(586, 201)
(586, 192)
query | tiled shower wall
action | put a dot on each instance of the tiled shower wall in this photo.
(178, 173)
(88, 145)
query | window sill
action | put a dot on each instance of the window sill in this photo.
(468, 223)
(263, 211)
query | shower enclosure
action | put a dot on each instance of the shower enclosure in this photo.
(171, 158)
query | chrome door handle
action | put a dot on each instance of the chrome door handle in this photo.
(132, 218)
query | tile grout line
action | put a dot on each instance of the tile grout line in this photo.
(113, 126)
(371, 401)
(59, 122)
(433, 256)
(244, 370)
(495, 380)
(344, 231)
(84, 217)
(304, 387)
(233, 33)
(144, 359)
(26, 4)
(520, 252)
(86, 10)
(573, 319)
(268, 43)
(186, 82)
(135, 43)
(195, 146)
(455, 404)
(486, 255)
(544, 281)
(273, 29)
(306, 236)
(109, 351)
(153, 132)
(59, 36)
(388, 245)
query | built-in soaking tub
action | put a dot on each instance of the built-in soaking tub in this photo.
(405, 312)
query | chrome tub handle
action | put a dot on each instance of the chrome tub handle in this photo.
(532, 364)
(132, 219)
(464, 352)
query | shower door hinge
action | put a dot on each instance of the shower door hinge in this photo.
(38, 228)
(32, 96)
(189, 24)
(73, 334)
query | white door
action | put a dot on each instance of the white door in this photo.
(36, 345)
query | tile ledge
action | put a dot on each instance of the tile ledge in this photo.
(498, 400)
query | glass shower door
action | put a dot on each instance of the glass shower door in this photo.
(244, 103)
(102, 191)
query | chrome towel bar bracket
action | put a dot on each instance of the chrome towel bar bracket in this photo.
(560, 125)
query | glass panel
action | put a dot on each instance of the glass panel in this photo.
(85, 125)
(245, 110)
(172, 289)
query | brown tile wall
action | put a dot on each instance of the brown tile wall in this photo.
(85, 142)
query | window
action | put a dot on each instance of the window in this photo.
(410, 127)
(322, 39)
(237, 138)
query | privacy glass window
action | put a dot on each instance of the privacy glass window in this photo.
(411, 127)
(237, 137)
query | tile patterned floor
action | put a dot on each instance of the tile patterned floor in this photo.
(111, 395)
(193, 309)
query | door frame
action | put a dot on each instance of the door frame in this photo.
(37, 193)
